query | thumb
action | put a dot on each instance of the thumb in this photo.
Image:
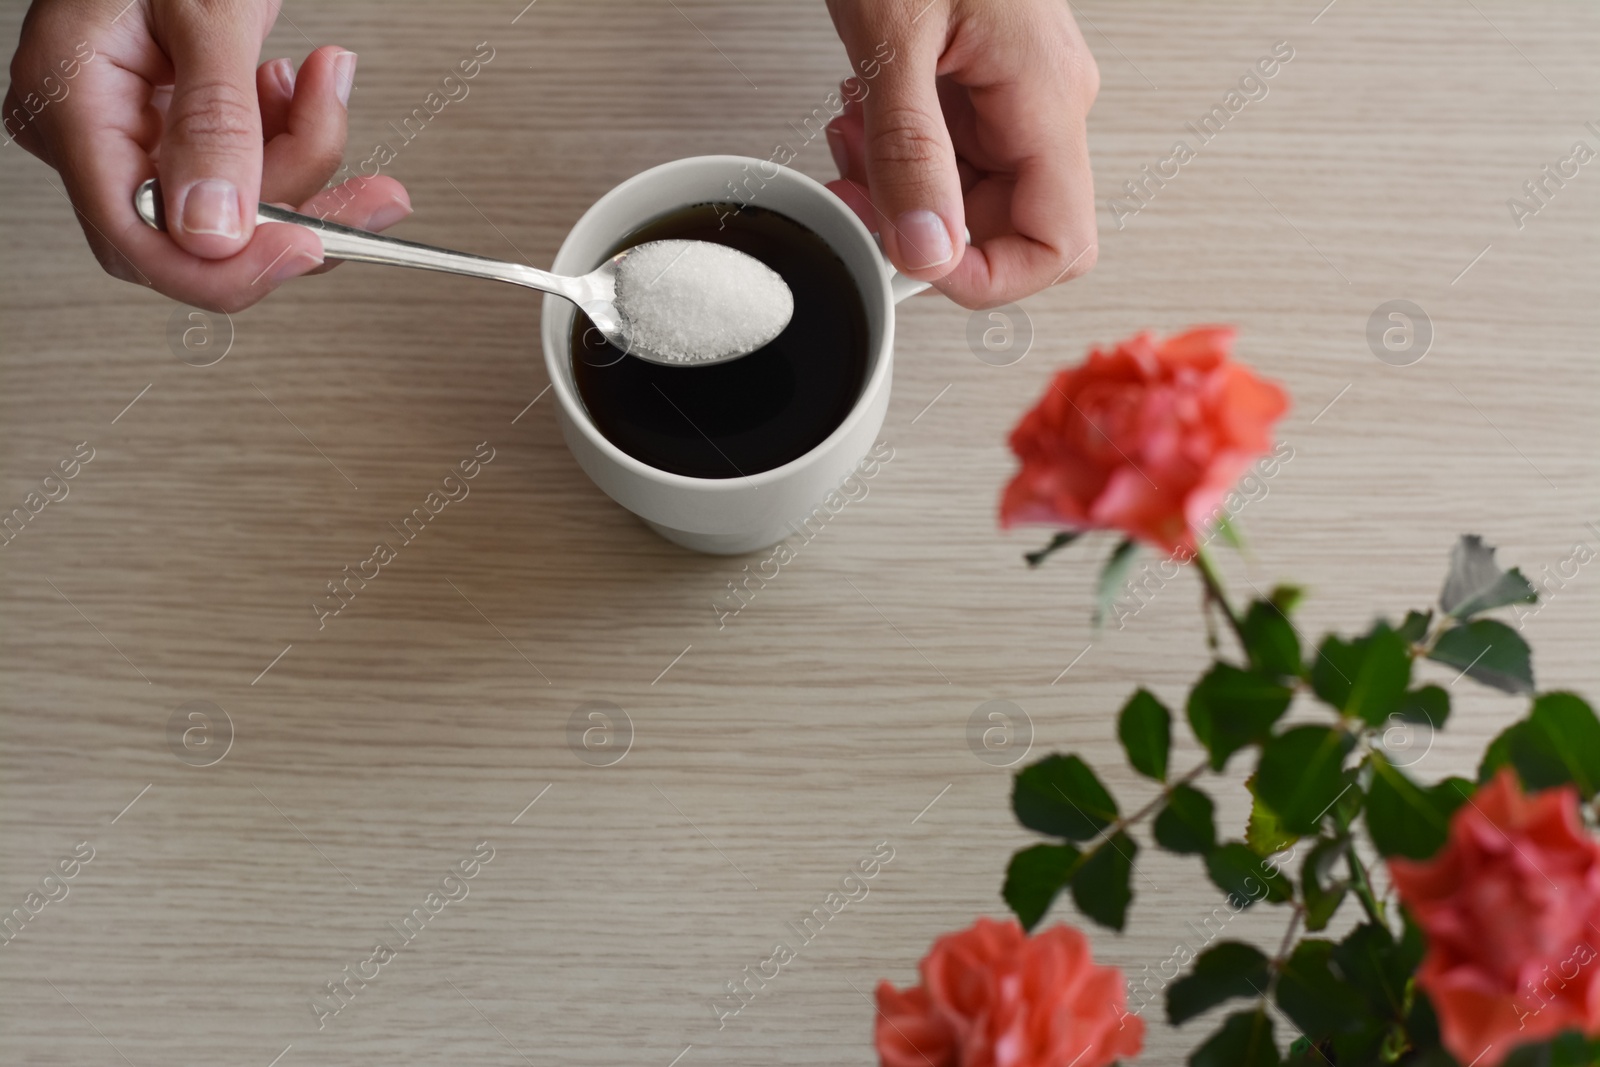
(911, 164)
(210, 159)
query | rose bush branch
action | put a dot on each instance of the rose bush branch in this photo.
(1487, 956)
(1322, 786)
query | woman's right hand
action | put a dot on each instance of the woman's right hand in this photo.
(111, 93)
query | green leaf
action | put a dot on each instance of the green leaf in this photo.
(1322, 897)
(1409, 734)
(1381, 970)
(1570, 1049)
(1498, 754)
(1185, 825)
(1270, 640)
(1230, 708)
(1347, 807)
(1245, 1040)
(1034, 878)
(1558, 743)
(1243, 875)
(1415, 626)
(1286, 597)
(1145, 727)
(1370, 961)
(1058, 542)
(1061, 796)
(1229, 533)
(1101, 887)
(1428, 704)
(1302, 1053)
(1301, 774)
(1574, 733)
(1314, 998)
(1526, 749)
(1224, 971)
(1112, 577)
(1366, 677)
(1491, 652)
(1404, 819)
(1264, 833)
(1411, 947)
(1370, 1045)
(1431, 1057)
(1422, 1026)
(1452, 792)
(1476, 582)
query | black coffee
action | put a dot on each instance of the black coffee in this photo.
(753, 413)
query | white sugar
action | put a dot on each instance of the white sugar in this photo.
(694, 301)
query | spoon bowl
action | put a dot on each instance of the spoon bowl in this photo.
(594, 293)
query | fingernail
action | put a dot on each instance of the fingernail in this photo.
(841, 152)
(294, 265)
(282, 72)
(344, 75)
(388, 214)
(924, 240)
(211, 205)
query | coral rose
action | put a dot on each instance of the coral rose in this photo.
(1510, 907)
(994, 997)
(1146, 438)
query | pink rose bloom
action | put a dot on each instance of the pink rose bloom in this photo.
(1146, 438)
(1511, 906)
(993, 997)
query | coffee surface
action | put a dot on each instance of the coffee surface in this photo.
(750, 414)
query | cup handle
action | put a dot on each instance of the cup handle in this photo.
(901, 286)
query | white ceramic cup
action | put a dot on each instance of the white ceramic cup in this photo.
(725, 516)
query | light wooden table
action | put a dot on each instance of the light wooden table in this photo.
(768, 757)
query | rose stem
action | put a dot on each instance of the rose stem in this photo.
(1213, 584)
(1363, 886)
(1283, 948)
(1122, 822)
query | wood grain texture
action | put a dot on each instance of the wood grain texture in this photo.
(831, 712)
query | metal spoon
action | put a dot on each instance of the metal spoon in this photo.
(594, 293)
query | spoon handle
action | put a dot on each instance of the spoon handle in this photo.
(347, 242)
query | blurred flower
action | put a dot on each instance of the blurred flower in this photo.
(1146, 438)
(1509, 906)
(994, 997)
